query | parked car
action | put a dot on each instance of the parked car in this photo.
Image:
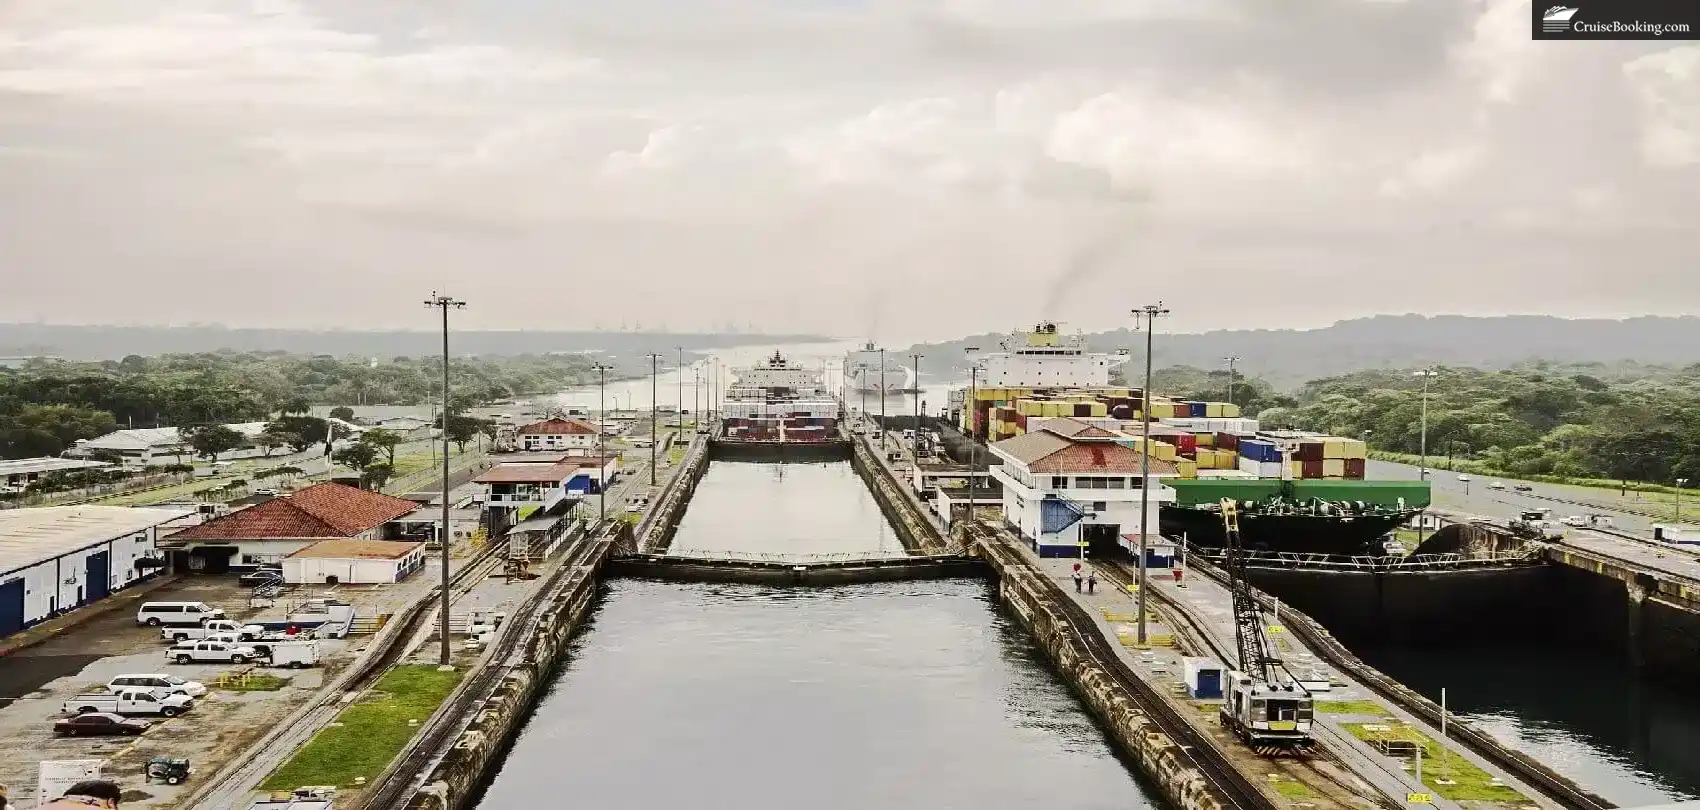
(261, 576)
(1464, 478)
(103, 723)
(270, 493)
(219, 652)
(1575, 520)
(1524, 488)
(159, 684)
(129, 702)
(1497, 485)
(176, 614)
(243, 632)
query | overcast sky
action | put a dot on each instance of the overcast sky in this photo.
(903, 169)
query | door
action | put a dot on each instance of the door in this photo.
(11, 607)
(99, 569)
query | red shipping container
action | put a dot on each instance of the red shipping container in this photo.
(1310, 468)
(1083, 409)
(1021, 420)
(1227, 441)
(1185, 443)
(1309, 451)
(1355, 468)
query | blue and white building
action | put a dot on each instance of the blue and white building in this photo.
(55, 559)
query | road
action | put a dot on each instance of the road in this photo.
(1476, 498)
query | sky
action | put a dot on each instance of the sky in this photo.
(894, 169)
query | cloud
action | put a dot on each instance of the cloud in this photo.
(749, 159)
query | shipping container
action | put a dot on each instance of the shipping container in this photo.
(1207, 490)
(1355, 468)
(1230, 411)
(1355, 449)
(1205, 439)
(1188, 468)
(1333, 468)
(1333, 447)
(1309, 451)
(1309, 468)
(1227, 441)
(1416, 494)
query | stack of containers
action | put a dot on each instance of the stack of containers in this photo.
(1161, 451)
(1260, 458)
(1330, 457)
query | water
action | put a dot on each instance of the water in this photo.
(1586, 715)
(889, 695)
(759, 508)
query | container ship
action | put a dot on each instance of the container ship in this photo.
(1300, 492)
(862, 372)
(778, 400)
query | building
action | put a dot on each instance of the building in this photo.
(1069, 483)
(556, 434)
(408, 427)
(138, 447)
(57, 558)
(20, 473)
(267, 533)
(351, 561)
(544, 484)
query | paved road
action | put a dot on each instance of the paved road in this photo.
(1678, 562)
(1476, 498)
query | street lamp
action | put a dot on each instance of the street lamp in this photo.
(916, 449)
(882, 399)
(602, 370)
(1150, 313)
(654, 360)
(1231, 360)
(968, 411)
(680, 411)
(445, 303)
(1427, 374)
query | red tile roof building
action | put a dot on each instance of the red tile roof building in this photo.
(319, 511)
(556, 434)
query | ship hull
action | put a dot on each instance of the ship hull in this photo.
(1298, 534)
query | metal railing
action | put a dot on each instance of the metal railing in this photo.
(799, 559)
(1366, 562)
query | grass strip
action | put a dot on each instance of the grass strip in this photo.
(1469, 783)
(368, 735)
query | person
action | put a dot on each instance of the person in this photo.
(88, 793)
(1092, 582)
(1077, 582)
(2, 797)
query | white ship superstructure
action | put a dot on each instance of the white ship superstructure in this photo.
(1043, 358)
(779, 400)
(862, 372)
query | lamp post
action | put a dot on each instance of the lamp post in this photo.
(968, 408)
(602, 439)
(1422, 441)
(654, 361)
(1231, 360)
(916, 450)
(696, 397)
(882, 399)
(444, 304)
(1150, 313)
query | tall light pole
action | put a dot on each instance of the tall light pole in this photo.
(444, 304)
(1422, 441)
(1231, 360)
(654, 361)
(602, 439)
(1150, 313)
(916, 450)
(968, 409)
(882, 399)
(680, 370)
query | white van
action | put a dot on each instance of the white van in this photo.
(176, 614)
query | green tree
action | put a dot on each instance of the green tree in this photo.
(208, 441)
(271, 439)
(462, 429)
(357, 456)
(300, 432)
(384, 440)
(48, 430)
(376, 475)
(343, 412)
(294, 405)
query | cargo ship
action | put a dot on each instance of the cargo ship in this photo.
(778, 400)
(1298, 516)
(863, 374)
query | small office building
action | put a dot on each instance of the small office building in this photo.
(353, 562)
(55, 559)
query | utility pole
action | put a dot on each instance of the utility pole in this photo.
(696, 397)
(1680, 483)
(1422, 441)
(968, 409)
(1151, 312)
(680, 370)
(445, 303)
(654, 360)
(916, 450)
(602, 439)
(1231, 359)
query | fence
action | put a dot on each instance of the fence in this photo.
(1415, 562)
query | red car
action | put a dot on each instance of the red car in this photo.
(102, 723)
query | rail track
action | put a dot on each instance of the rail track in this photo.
(230, 786)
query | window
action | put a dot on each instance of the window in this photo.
(1059, 482)
(1100, 506)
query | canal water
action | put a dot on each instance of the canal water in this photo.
(922, 694)
(751, 508)
(1634, 742)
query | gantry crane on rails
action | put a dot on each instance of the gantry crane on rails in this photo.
(1263, 703)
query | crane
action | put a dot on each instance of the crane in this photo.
(1262, 702)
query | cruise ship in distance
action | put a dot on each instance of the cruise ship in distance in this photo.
(778, 400)
(862, 372)
(1044, 358)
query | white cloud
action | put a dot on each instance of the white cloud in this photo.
(1667, 87)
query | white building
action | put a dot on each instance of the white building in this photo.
(556, 434)
(57, 558)
(545, 484)
(267, 533)
(139, 447)
(24, 471)
(1069, 483)
(353, 562)
(1044, 359)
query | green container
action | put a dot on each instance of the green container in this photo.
(1194, 491)
(1385, 493)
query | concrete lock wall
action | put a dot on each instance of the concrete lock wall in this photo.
(1412, 606)
(678, 569)
(736, 450)
(655, 533)
(917, 534)
(1033, 599)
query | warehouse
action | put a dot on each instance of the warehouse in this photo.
(58, 558)
(353, 562)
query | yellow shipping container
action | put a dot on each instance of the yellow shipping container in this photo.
(1229, 459)
(1296, 469)
(1213, 410)
(1333, 468)
(1163, 450)
(1334, 447)
(1230, 410)
(1189, 469)
(1162, 410)
(1100, 410)
(1206, 439)
(1024, 407)
(1355, 448)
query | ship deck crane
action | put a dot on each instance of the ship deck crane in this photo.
(1262, 702)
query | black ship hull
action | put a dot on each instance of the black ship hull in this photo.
(1295, 533)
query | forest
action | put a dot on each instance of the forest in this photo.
(45, 406)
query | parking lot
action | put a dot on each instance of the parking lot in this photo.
(35, 683)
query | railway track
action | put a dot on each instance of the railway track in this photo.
(229, 788)
(1227, 780)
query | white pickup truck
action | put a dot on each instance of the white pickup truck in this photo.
(221, 652)
(130, 702)
(211, 627)
(275, 649)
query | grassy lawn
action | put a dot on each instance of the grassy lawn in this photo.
(634, 518)
(1470, 783)
(1350, 707)
(1407, 538)
(252, 682)
(675, 455)
(370, 733)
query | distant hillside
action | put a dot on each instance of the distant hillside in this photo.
(1289, 357)
(114, 342)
